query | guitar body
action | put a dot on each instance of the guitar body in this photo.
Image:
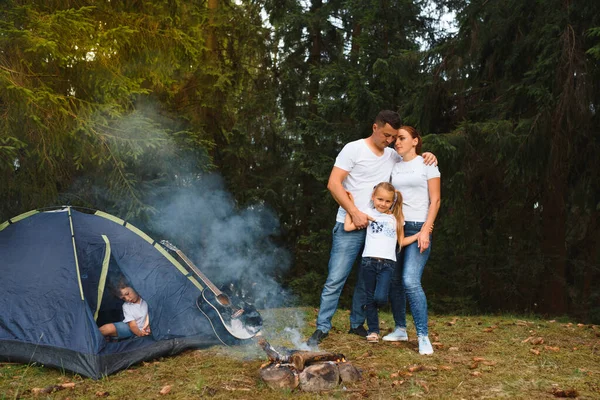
(230, 328)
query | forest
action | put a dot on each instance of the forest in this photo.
(216, 123)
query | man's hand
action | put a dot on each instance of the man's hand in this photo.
(429, 158)
(360, 219)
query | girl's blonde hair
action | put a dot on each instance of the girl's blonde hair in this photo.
(395, 209)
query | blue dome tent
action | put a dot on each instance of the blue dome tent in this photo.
(55, 271)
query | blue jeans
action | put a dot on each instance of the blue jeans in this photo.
(376, 273)
(123, 330)
(406, 283)
(344, 250)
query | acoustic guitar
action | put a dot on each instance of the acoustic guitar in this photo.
(232, 319)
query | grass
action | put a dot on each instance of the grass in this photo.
(476, 357)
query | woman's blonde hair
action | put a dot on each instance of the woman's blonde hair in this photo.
(395, 209)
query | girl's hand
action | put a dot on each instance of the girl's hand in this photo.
(423, 241)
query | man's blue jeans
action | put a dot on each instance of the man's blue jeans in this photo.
(376, 273)
(344, 250)
(406, 283)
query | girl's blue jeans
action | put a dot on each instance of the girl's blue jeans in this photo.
(406, 283)
(376, 274)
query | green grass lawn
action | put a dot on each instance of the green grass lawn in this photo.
(475, 357)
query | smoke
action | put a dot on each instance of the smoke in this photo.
(232, 246)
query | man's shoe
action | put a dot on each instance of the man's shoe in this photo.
(359, 330)
(425, 345)
(316, 338)
(399, 335)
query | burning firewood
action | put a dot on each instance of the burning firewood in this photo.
(311, 370)
(301, 359)
(272, 354)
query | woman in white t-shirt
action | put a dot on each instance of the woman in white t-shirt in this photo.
(420, 188)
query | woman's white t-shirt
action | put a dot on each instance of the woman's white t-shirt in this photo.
(381, 236)
(410, 178)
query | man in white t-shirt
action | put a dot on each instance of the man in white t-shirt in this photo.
(360, 166)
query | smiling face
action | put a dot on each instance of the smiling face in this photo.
(405, 144)
(129, 295)
(383, 135)
(382, 200)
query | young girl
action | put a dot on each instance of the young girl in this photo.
(385, 229)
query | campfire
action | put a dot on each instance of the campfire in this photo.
(312, 371)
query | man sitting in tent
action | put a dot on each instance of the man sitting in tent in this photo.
(135, 311)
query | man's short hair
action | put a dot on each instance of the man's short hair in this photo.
(389, 117)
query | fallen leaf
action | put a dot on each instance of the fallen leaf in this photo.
(437, 345)
(488, 330)
(489, 363)
(537, 340)
(478, 359)
(474, 365)
(569, 393)
(534, 351)
(101, 393)
(68, 385)
(453, 349)
(476, 373)
(165, 390)
(552, 321)
(37, 390)
(527, 340)
(423, 385)
(415, 368)
(395, 375)
(580, 325)
(397, 383)
(551, 348)
(446, 367)
(450, 323)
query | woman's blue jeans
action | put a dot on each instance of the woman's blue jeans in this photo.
(376, 274)
(345, 248)
(406, 283)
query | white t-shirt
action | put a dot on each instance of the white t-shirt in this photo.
(365, 171)
(410, 178)
(381, 236)
(135, 312)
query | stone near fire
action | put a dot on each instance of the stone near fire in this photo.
(319, 377)
(349, 373)
(279, 377)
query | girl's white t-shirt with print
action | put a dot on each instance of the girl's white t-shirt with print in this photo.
(410, 178)
(381, 237)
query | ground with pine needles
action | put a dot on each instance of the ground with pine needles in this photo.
(475, 357)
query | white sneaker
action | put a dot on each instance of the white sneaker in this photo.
(399, 335)
(425, 345)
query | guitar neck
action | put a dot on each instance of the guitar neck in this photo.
(202, 277)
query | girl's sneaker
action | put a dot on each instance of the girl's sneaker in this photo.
(425, 345)
(399, 335)
(373, 337)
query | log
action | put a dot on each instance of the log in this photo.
(349, 373)
(278, 376)
(301, 359)
(272, 354)
(319, 377)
